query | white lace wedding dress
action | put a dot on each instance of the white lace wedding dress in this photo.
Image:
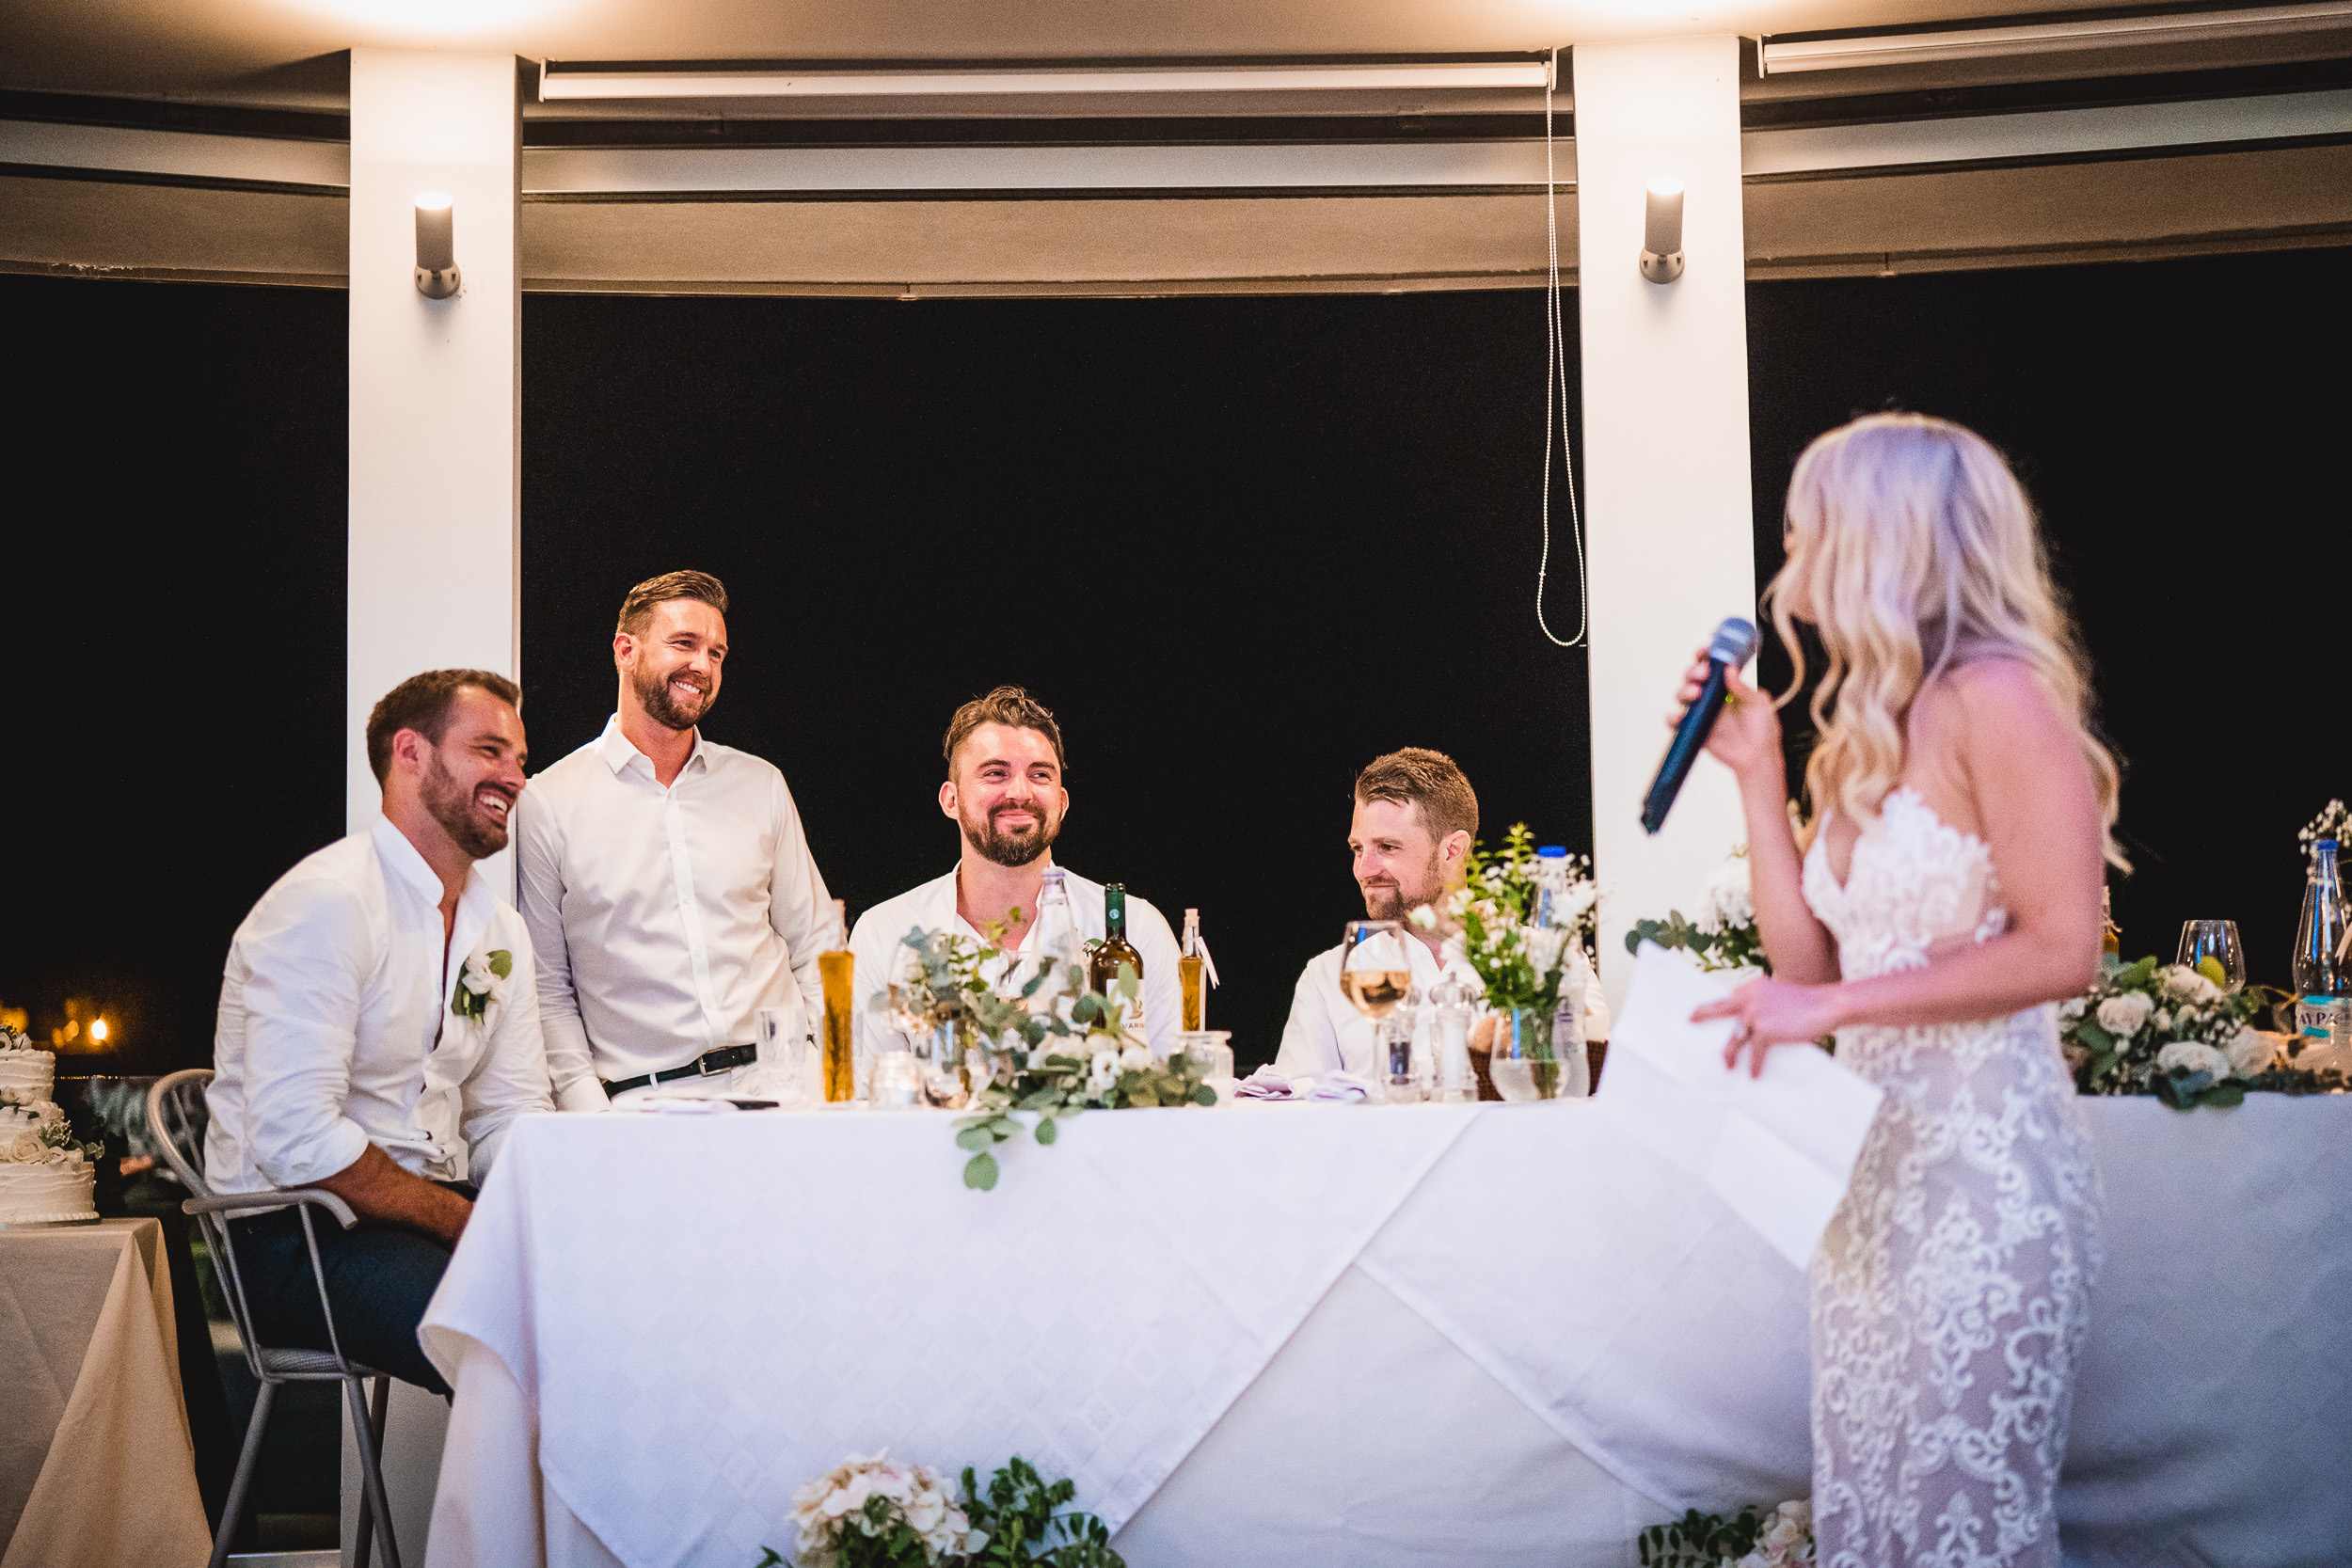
(1950, 1292)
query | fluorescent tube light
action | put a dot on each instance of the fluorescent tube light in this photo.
(1978, 44)
(717, 79)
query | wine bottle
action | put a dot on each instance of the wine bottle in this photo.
(1192, 975)
(836, 969)
(1114, 949)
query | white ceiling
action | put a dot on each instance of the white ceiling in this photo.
(286, 51)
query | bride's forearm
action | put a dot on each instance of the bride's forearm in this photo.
(1797, 944)
(2017, 970)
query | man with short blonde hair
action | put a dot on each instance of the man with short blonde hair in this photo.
(666, 879)
(1415, 824)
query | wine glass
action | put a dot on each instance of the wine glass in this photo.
(1375, 972)
(2215, 939)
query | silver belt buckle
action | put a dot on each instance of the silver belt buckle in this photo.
(703, 1068)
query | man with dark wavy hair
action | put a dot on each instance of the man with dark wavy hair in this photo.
(666, 879)
(1005, 792)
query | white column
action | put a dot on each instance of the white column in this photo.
(435, 417)
(1665, 450)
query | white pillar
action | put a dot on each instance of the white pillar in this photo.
(1665, 450)
(435, 417)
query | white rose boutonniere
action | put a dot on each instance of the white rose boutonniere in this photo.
(482, 985)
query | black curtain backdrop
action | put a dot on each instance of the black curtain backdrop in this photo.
(1240, 546)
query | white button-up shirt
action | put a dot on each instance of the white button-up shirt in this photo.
(1325, 1034)
(335, 1028)
(878, 943)
(664, 919)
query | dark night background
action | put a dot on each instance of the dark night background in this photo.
(1240, 546)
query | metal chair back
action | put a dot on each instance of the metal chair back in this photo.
(178, 1117)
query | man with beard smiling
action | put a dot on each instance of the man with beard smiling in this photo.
(666, 880)
(1415, 822)
(379, 1031)
(1005, 794)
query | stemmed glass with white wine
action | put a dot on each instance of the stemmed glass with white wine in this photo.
(1376, 973)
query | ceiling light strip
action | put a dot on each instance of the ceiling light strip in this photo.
(559, 81)
(1975, 43)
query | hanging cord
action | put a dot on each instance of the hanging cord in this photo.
(1556, 395)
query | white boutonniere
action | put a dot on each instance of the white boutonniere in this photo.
(480, 983)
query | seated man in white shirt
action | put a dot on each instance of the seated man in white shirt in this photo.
(666, 880)
(1416, 819)
(1006, 795)
(379, 1032)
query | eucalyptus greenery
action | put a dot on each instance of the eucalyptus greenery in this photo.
(1733, 948)
(1049, 1062)
(1702, 1539)
(1019, 1513)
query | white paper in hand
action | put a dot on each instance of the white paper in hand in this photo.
(1778, 1149)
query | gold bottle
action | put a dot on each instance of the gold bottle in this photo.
(836, 969)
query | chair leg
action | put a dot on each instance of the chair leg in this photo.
(233, 1511)
(367, 1432)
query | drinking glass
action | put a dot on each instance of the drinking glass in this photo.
(1210, 1049)
(2215, 939)
(941, 1051)
(897, 1078)
(1376, 971)
(780, 1057)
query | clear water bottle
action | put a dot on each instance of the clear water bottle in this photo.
(2323, 991)
(1058, 946)
(1552, 882)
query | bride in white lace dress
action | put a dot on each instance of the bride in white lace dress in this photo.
(1949, 897)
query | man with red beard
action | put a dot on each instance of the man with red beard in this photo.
(666, 881)
(379, 1031)
(1005, 793)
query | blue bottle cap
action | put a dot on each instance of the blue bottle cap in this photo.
(1552, 851)
(2327, 844)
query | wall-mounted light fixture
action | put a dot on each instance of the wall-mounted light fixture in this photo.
(437, 245)
(1661, 231)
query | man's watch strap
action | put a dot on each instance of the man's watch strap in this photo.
(710, 1063)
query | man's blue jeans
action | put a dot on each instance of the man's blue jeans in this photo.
(378, 1280)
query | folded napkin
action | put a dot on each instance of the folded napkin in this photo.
(672, 1104)
(1338, 1087)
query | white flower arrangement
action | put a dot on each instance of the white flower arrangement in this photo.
(1493, 924)
(869, 1509)
(2333, 821)
(2171, 1031)
(1723, 935)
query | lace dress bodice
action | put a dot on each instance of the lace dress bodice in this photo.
(1950, 1293)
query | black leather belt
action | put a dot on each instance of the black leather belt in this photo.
(705, 1065)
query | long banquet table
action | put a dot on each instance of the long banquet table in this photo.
(1399, 1335)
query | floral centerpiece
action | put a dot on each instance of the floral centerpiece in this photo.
(1751, 1537)
(1057, 1047)
(1527, 963)
(1723, 935)
(2176, 1032)
(871, 1512)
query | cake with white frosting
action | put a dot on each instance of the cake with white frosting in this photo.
(46, 1175)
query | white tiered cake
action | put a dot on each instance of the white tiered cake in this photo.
(46, 1176)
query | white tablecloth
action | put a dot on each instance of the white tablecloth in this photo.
(1412, 1336)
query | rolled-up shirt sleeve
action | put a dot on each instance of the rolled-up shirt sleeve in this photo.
(800, 908)
(570, 1065)
(310, 954)
(511, 1080)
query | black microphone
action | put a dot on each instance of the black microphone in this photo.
(1735, 639)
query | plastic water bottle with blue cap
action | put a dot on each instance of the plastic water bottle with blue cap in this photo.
(2322, 990)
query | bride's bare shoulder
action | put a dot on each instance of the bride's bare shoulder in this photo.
(1997, 695)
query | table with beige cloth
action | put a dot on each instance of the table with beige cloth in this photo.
(1409, 1337)
(96, 1468)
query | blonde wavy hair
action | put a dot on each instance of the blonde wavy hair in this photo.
(1912, 550)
